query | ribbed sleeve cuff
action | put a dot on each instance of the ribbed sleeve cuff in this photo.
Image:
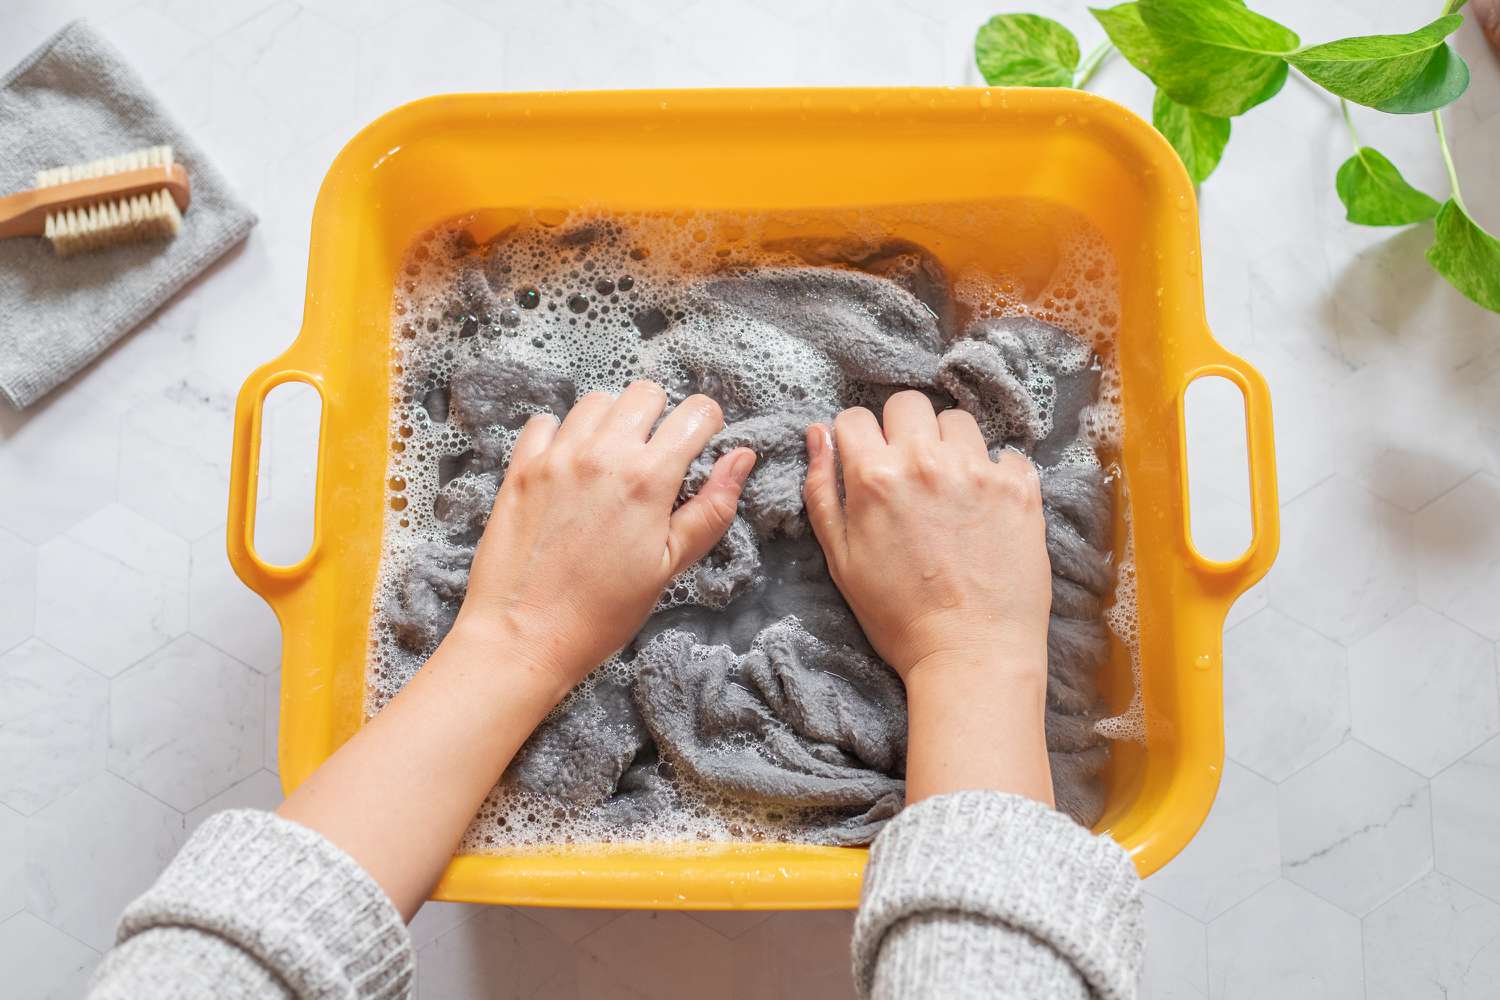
(1014, 861)
(300, 906)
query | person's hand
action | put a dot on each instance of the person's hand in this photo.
(583, 535)
(940, 552)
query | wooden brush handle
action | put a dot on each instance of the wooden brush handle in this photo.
(25, 213)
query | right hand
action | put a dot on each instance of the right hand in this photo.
(940, 552)
(584, 534)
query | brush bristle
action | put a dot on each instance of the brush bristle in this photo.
(127, 220)
(140, 159)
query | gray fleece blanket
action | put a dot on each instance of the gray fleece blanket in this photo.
(753, 680)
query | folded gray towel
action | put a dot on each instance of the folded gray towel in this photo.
(72, 100)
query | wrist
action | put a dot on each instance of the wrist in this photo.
(505, 666)
(1007, 662)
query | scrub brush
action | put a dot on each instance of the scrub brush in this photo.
(86, 206)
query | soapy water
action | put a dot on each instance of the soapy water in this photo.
(591, 297)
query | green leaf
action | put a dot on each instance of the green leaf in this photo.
(1373, 69)
(1467, 256)
(1375, 194)
(1198, 138)
(1025, 50)
(1440, 84)
(1214, 56)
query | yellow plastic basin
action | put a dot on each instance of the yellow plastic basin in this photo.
(762, 151)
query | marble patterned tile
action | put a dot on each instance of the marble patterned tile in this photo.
(392, 70)
(149, 39)
(93, 851)
(1436, 940)
(53, 725)
(228, 614)
(186, 723)
(1465, 816)
(496, 953)
(285, 41)
(1234, 854)
(1458, 552)
(1346, 562)
(730, 923)
(1286, 694)
(1355, 827)
(262, 790)
(1408, 440)
(1423, 690)
(12, 862)
(58, 466)
(796, 955)
(434, 919)
(210, 19)
(570, 925)
(174, 458)
(1176, 965)
(43, 963)
(662, 955)
(18, 584)
(1285, 943)
(125, 576)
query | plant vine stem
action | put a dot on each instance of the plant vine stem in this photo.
(1349, 121)
(1458, 197)
(1452, 6)
(1092, 62)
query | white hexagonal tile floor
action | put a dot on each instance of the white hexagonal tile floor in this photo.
(1332, 865)
(18, 584)
(1286, 694)
(94, 850)
(53, 714)
(186, 723)
(1346, 562)
(1435, 940)
(1285, 942)
(1235, 853)
(1355, 827)
(1465, 818)
(43, 963)
(1423, 690)
(1458, 541)
(123, 575)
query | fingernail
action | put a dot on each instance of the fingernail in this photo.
(739, 469)
(815, 441)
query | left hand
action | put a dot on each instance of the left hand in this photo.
(583, 536)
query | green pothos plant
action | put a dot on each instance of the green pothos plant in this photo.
(1212, 60)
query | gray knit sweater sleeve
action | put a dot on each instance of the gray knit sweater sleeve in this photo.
(258, 906)
(980, 894)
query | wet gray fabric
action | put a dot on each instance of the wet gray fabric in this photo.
(762, 687)
(795, 722)
(582, 752)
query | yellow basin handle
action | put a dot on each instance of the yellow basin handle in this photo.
(270, 581)
(1228, 579)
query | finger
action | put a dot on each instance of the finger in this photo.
(682, 436)
(535, 437)
(858, 436)
(959, 428)
(636, 410)
(584, 418)
(821, 495)
(697, 525)
(909, 417)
